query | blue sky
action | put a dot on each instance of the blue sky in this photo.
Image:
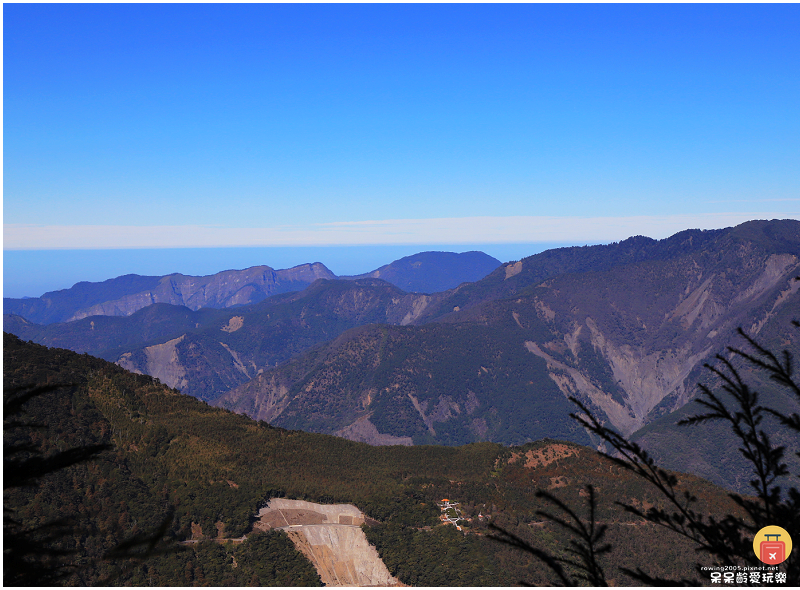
(175, 126)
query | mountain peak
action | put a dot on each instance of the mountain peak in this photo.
(433, 272)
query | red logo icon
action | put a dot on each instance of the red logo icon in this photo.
(772, 545)
(773, 552)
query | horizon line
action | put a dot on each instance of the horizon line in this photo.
(389, 232)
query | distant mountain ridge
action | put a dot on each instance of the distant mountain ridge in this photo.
(774, 236)
(433, 272)
(121, 296)
(124, 295)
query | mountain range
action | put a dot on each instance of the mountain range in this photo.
(628, 338)
(625, 327)
(424, 272)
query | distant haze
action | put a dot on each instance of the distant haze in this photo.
(31, 273)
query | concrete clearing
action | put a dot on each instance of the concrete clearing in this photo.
(329, 535)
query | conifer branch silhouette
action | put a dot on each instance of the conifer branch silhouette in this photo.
(31, 556)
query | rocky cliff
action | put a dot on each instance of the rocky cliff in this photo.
(641, 361)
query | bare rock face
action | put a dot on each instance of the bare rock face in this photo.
(329, 535)
(161, 362)
(513, 269)
(654, 348)
(263, 398)
(362, 430)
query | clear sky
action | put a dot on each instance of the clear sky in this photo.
(174, 126)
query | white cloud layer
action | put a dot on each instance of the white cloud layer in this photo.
(457, 230)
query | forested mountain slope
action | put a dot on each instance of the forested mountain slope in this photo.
(106, 336)
(217, 468)
(442, 384)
